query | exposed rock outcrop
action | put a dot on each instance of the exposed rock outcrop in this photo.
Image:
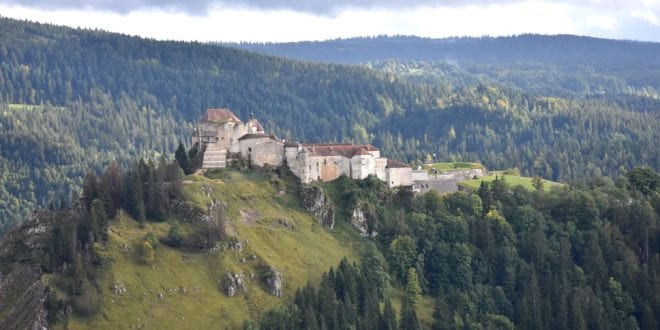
(359, 221)
(22, 293)
(271, 279)
(317, 202)
(232, 284)
(284, 223)
(118, 288)
(236, 244)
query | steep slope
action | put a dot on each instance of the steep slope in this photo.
(22, 292)
(184, 289)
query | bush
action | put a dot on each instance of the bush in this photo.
(175, 237)
(88, 302)
(152, 239)
(147, 253)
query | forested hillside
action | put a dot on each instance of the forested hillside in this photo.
(576, 257)
(562, 64)
(560, 49)
(74, 99)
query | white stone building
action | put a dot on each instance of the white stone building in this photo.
(223, 134)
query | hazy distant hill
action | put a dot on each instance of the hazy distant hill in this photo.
(615, 64)
(561, 49)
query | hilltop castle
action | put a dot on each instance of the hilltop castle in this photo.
(224, 134)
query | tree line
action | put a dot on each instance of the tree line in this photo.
(74, 251)
(73, 99)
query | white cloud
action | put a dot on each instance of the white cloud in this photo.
(647, 16)
(222, 23)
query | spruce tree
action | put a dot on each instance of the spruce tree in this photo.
(388, 319)
(97, 210)
(182, 158)
(133, 197)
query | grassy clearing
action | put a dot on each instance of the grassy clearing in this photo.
(512, 180)
(25, 107)
(180, 289)
(455, 166)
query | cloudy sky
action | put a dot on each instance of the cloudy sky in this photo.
(293, 20)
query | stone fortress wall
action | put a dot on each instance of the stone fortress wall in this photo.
(224, 133)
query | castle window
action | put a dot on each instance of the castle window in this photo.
(325, 161)
(250, 149)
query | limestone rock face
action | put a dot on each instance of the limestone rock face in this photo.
(359, 221)
(272, 280)
(22, 293)
(232, 284)
(317, 202)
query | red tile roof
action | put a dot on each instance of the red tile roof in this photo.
(219, 115)
(258, 136)
(396, 164)
(344, 150)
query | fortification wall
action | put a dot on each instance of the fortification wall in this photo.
(399, 176)
(327, 168)
(361, 167)
(224, 133)
(445, 182)
(379, 168)
(262, 151)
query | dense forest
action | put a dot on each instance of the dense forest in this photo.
(72, 99)
(578, 257)
(542, 64)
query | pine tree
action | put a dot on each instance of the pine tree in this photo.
(133, 197)
(388, 319)
(182, 158)
(98, 211)
(409, 319)
(413, 291)
(90, 188)
(111, 189)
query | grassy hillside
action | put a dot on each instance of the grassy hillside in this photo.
(180, 288)
(511, 180)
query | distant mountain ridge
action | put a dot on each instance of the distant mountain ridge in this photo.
(636, 62)
(512, 49)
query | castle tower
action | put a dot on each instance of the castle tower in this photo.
(218, 130)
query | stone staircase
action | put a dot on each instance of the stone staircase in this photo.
(214, 157)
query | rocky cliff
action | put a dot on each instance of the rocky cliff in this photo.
(22, 292)
(316, 201)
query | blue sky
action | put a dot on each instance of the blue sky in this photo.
(294, 20)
